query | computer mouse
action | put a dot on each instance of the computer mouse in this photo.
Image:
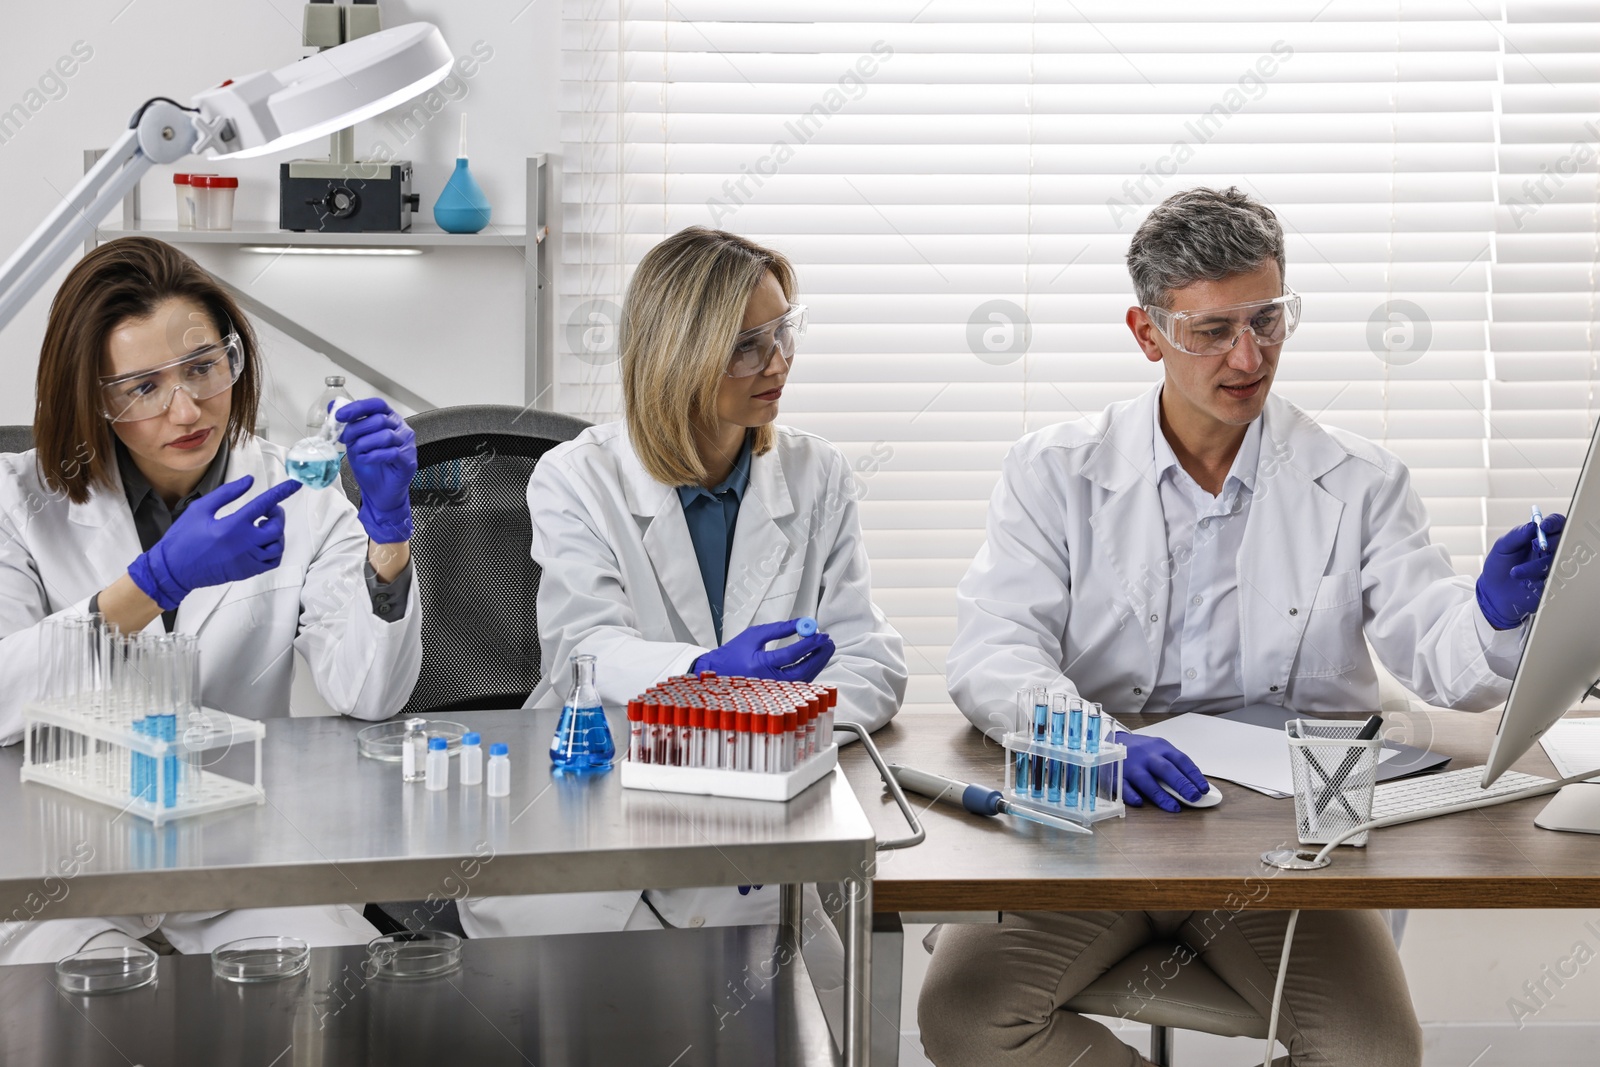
(1212, 798)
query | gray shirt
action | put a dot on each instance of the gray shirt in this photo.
(152, 519)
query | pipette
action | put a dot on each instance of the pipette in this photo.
(977, 799)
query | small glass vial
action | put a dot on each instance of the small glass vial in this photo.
(499, 774)
(471, 760)
(438, 764)
(414, 751)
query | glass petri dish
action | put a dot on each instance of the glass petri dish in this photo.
(382, 741)
(260, 959)
(108, 969)
(422, 954)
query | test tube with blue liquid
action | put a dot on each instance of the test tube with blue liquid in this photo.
(1075, 744)
(1041, 728)
(1091, 744)
(1058, 736)
(1019, 773)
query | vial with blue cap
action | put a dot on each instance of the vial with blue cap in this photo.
(805, 626)
(471, 759)
(499, 773)
(438, 774)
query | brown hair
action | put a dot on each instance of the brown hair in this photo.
(685, 305)
(120, 280)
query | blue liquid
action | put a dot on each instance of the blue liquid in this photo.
(582, 741)
(313, 473)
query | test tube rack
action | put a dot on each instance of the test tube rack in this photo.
(1087, 786)
(83, 750)
(730, 737)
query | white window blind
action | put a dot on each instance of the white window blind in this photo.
(929, 165)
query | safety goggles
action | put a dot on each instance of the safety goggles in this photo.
(148, 393)
(1214, 331)
(752, 349)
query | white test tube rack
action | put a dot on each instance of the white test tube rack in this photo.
(79, 751)
(1090, 783)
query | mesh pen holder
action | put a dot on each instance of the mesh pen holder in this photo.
(1071, 783)
(1334, 776)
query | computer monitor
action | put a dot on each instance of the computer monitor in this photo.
(1561, 658)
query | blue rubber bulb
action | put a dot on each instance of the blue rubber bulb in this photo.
(805, 626)
(461, 207)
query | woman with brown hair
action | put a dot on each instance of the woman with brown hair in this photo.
(129, 506)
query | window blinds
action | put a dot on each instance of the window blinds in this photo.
(957, 184)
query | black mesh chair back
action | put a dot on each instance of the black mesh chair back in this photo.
(16, 438)
(475, 580)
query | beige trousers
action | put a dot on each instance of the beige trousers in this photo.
(994, 993)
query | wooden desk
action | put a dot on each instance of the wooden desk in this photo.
(1493, 858)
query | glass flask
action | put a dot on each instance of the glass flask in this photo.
(583, 737)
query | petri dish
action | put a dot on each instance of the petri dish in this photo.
(382, 741)
(420, 954)
(108, 969)
(260, 959)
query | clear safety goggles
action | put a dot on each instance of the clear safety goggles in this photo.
(148, 393)
(752, 349)
(1214, 331)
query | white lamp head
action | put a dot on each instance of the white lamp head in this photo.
(326, 92)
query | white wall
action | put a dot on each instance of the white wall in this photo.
(447, 324)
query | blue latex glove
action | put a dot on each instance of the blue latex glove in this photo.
(382, 452)
(747, 655)
(1153, 759)
(200, 549)
(1514, 572)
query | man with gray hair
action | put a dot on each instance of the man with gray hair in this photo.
(1200, 548)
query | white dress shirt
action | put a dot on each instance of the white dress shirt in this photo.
(1200, 667)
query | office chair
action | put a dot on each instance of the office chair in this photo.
(1143, 988)
(16, 438)
(475, 581)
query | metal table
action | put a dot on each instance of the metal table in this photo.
(623, 1000)
(340, 828)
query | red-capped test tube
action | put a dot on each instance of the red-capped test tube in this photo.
(635, 729)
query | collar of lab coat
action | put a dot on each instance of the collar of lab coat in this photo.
(760, 545)
(115, 544)
(1287, 542)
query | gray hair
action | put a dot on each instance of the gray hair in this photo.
(1201, 234)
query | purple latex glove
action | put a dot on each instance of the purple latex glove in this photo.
(200, 549)
(382, 452)
(747, 655)
(1155, 759)
(1514, 572)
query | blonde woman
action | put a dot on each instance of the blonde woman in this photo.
(692, 534)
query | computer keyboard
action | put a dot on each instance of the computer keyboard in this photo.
(1411, 795)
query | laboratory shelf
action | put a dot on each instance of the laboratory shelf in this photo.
(260, 232)
(636, 999)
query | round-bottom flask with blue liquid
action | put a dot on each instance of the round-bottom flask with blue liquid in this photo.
(583, 737)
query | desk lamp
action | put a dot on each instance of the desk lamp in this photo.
(239, 119)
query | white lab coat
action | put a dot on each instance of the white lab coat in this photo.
(620, 581)
(55, 555)
(1070, 591)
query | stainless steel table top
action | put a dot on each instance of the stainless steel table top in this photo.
(340, 828)
(688, 998)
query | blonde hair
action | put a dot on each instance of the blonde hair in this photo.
(684, 307)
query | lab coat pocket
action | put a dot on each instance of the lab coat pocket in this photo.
(268, 599)
(1333, 628)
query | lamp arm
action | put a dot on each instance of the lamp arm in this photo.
(162, 132)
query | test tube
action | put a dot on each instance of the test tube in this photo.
(1074, 744)
(1041, 727)
(760, 730)
(663, 742)
(1058, 736)
(635, 729)
(680, 735)
(1091, 744)
(1019, 780)
(730, 740)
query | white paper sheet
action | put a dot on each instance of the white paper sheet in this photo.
(1573, 745)
(1251, 756)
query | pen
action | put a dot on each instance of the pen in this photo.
(1538, 529)
(977, 799)
(1368, 731)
